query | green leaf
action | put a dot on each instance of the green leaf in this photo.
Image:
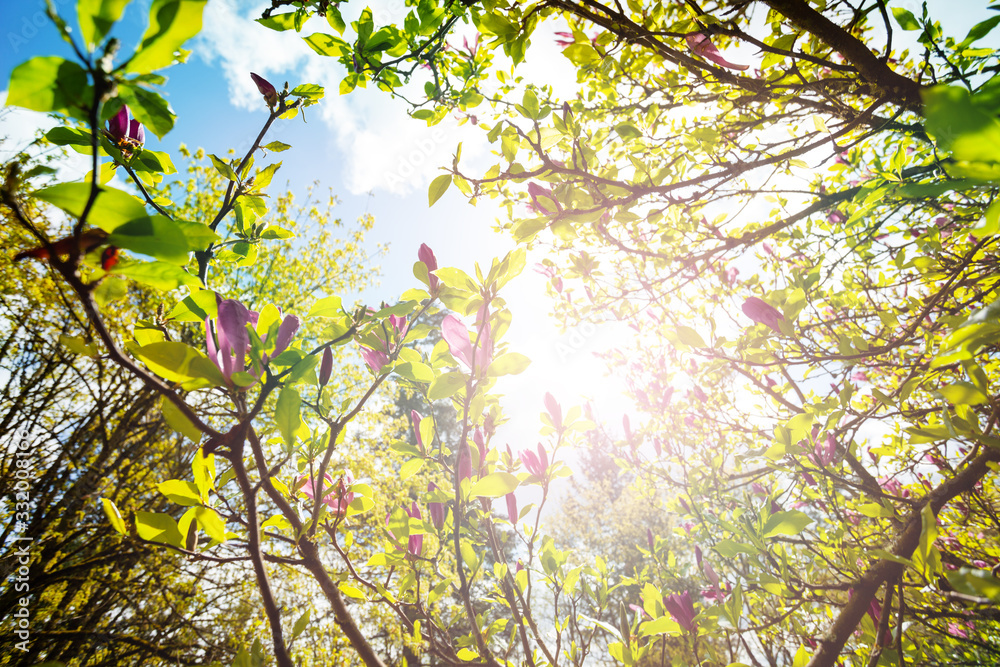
(905, 19)
(958, 124)
(158, 528)
(926, 557)
(279, 22)
(875, 510)
(689, 336)
(991, 224)
(211, 522)
(78, 345)
(328, 45)
(111, 289)
(199, 236)
(276, 146)
(156, 162)
(301, 624)
(410, 468)
(47, 84)
(437, 188)
(178, 421)
(263, 177)
(729, 548)
(529, 104)
(330, 306)
(203, 468)
(272, 232)
(112, 208)
(222, 166)
(494, 485)
(456, 278)
(786, 523)
(664, 625)
(70, 136)
(163, 276)
(979, 583)
(582, 54)
(445, 385)
(114, 516)
(96, 18)
(286, 414)
(171, 23)
(415, 371)
(149, 108)
(156, 236)
(888, 555)
(512, 363)
(180, 491)
(627, 131)
(178, 362)
(310, 91)
(196, 307)
(963, 393)
(980, 30)
(334, 18)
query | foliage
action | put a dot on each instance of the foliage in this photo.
(821, 429)
(806, 252)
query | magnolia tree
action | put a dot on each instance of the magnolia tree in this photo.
(820, 428)
(802, 235)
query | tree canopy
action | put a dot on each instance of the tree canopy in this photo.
(791, 203)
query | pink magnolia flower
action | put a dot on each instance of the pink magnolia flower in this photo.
(894, 487)
(228, 345)
(702, 45)
(542, 200)
(416, 419)
(416, 542)
(825, 451)
(639, 610)
(762, 312)
(437, 510)
(681, 608)
(426, 255)
(126, 132)
(554, 410)
(375, 359)
(336, 496)
(956, 630)
(457, 336)
(477, 437)
(512, 507)
(286, 332)
(536, 465)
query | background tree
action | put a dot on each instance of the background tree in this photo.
(95, 432)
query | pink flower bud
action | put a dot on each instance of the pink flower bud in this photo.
(266, 89)
(325, 367)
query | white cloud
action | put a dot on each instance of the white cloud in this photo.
(20, 128)
(382, 147)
